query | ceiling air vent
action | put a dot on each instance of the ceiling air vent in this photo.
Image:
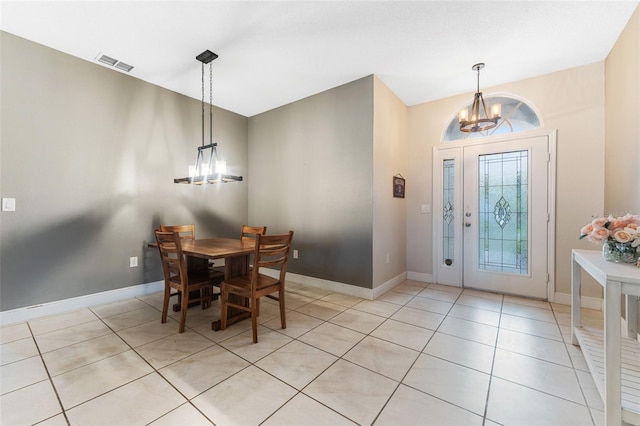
(124, 67)
(107, 60)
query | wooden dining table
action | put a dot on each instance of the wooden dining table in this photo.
(236, 255)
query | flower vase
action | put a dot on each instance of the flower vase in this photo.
(619, 252)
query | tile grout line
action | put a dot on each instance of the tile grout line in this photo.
(573, 367)
(493, 362)
(55, 389)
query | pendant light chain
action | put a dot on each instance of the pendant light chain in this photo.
(202, 104)
(210, 102)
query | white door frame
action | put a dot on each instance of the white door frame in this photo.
(453, 276)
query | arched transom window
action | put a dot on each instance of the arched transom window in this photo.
(517, 116)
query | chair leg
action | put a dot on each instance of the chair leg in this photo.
(214, 295)
(254, 319)
(205, 297)
(283, 316)
(223, 312)
(183, 310)
(165, 303)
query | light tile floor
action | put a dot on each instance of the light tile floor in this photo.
(422, 354)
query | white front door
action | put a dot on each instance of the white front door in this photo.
(494, 231)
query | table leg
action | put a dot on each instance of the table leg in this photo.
(612, 358)
(233, 267)
(576, 321)
(193, 263)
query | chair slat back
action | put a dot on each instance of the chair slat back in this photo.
(272, 251)
(249, 233)
(173, 262)
(186, 232)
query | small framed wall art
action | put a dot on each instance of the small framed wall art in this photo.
(398, 186)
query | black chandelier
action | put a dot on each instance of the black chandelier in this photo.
(215, 170)
(474, 122)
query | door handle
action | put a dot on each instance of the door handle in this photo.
(467, 224)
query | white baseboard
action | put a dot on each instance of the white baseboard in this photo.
(385, 287)
(66, 305)
(348, 289)
(338, 287)
(586, 302)
(419, 276)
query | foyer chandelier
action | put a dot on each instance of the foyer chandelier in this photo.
(215, 170)
(478, 119)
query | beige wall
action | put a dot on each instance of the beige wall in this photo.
(390, 157)
(571, 101)
(622, 121)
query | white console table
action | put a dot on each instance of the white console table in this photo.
(614, 360)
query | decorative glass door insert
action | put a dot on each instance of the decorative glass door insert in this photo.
(503, 212)
(448, 212)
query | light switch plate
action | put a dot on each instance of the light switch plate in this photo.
(8, 204)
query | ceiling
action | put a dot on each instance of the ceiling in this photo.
(276, 52)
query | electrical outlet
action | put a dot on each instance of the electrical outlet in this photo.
(133, 262)
(388, 258)
(295, 254)
(8, 204)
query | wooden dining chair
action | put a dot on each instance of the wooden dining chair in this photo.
(247, 234)
(177, 276)
(271, 251)
(188, 232)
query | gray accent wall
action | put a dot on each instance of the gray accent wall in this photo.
(311, 170)
(90, 155)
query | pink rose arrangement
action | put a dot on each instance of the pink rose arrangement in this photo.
(624, 229)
